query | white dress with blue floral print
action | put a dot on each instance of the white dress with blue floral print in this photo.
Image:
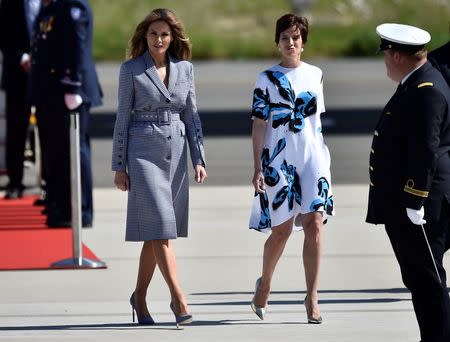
(295, 159)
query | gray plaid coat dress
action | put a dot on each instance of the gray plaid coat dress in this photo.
(153, 126)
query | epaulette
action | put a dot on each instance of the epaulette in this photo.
(425, 84)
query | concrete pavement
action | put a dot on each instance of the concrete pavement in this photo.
(355, 91)
(228, 85)
(362, 297)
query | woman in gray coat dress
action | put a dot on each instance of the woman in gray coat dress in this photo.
(156, 119)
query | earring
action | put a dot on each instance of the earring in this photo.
(302, 49)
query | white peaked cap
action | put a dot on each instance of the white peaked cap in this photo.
(403, 34)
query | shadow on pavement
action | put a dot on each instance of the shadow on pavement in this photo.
(392, 290)
(170, 326)
(321, 301)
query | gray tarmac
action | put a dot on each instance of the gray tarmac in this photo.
(361, 294)
(230, 161)
(228, 85)
(355, 91)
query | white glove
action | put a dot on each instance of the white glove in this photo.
(25, 62)
(25, 58)
(72, 101)
(416, 216)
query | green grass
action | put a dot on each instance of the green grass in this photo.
(245, 28)
(347, 28)
(217, 28)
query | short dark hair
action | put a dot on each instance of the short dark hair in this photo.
(291, 20)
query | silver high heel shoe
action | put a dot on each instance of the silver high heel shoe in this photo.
(259, 311)
(309, 315)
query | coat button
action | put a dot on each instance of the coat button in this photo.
(167, 100)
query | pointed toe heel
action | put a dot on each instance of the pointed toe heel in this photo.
(181, 319)
(259, 311)
(311, 319)
(142, 319)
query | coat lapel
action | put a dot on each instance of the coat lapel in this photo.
(153, 75)
(173, 75)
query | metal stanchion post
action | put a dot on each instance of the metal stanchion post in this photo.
(37, 148)
(77, 260)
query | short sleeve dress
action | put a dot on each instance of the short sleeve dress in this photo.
(295, 159)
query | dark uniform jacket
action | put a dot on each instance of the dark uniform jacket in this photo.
(440, 58)
(14, 42)
(409, 157)
(61, 53)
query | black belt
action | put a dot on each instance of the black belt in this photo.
(163, 116)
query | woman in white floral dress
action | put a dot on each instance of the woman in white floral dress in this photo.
(291, 162)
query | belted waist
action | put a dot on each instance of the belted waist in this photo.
(162, 116)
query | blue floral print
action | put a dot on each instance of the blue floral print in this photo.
(265, 221)
(292, 191)
(324, 201)
(261, 104)
(297, 108)
(294, 158)
(271, 176)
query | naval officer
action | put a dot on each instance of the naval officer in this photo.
(63, 78)
(18, 16)
(410, 174)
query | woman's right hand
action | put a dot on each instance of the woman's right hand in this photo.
(258, 181)
(122, 181)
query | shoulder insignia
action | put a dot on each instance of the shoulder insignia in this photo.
(409, 188)
(425, 84)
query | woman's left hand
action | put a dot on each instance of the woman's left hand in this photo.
(200, 173)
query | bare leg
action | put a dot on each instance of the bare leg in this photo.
(165, 258)
(273, 248)
(312, 251)
(147, 264)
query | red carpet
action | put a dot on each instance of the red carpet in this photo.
(27, 243)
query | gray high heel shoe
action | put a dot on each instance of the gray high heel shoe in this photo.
(309, 315)
(181, 319)
(259, 311)
(142, 319)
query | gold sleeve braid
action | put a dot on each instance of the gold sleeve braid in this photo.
(409, 188)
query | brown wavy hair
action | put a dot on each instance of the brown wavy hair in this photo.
(180, 47)
(291, 20)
